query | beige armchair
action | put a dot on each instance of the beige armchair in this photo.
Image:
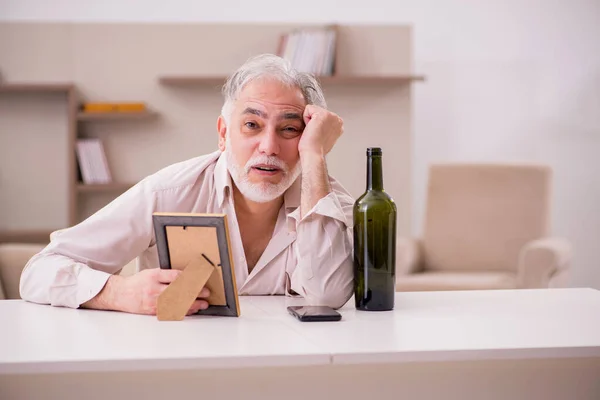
(486, 227)
(14, 257)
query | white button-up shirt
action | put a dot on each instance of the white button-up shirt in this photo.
(311, 256)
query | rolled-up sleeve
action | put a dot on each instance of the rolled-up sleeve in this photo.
(76, 264)
(323, 248)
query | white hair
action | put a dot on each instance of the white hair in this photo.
(270, 66)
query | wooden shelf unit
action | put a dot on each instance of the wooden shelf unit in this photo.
(115, 116)
(70, 91)
(75, 187)
(114, 188)
(33, 87)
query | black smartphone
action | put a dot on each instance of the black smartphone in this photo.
(314, 313)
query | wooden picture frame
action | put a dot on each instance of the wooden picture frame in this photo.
(182, 237)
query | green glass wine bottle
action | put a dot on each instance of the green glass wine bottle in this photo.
(374, 241)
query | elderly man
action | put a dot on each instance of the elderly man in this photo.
(289, 220)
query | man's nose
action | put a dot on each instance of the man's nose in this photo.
(269, 142)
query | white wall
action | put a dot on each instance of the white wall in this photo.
(507, 80)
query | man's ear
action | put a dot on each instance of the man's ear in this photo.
(222, 129)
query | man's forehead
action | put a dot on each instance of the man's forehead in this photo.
(273, 107)
(271, 94)
(279, 113)
(267, 109)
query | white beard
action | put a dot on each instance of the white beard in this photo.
(260, 192)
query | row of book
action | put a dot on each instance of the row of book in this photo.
(310, 50)
(91, 158)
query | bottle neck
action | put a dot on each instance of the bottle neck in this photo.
(374, 173)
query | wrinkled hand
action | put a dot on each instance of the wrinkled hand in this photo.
(323, 128)
(139, 292)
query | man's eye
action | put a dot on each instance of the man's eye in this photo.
(251, 125)
(290, 129)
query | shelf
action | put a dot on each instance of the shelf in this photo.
(189, 80)
(383, 80)
(103, 187)
(36, 87)
(115, 116)
(185, 80)
(26, 236)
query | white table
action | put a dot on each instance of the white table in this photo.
(529, 344)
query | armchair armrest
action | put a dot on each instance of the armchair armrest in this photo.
(408, 256)
(13, 258)
(2, 295)
(542, 259)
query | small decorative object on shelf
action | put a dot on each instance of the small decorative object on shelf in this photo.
(103, 107)
(99, 111)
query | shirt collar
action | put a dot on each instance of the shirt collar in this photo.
(222, 179)
(224, 187)
(291, 197)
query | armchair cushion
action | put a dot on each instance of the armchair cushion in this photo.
(408, 256)
(13, 257)
(541, 260)
(430, 280)
(480, 216)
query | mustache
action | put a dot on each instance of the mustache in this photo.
(269, 160)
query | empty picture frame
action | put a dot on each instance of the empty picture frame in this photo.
(183, 236)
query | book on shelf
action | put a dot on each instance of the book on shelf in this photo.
(310, 50)
(104, 107)
(92, 162)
